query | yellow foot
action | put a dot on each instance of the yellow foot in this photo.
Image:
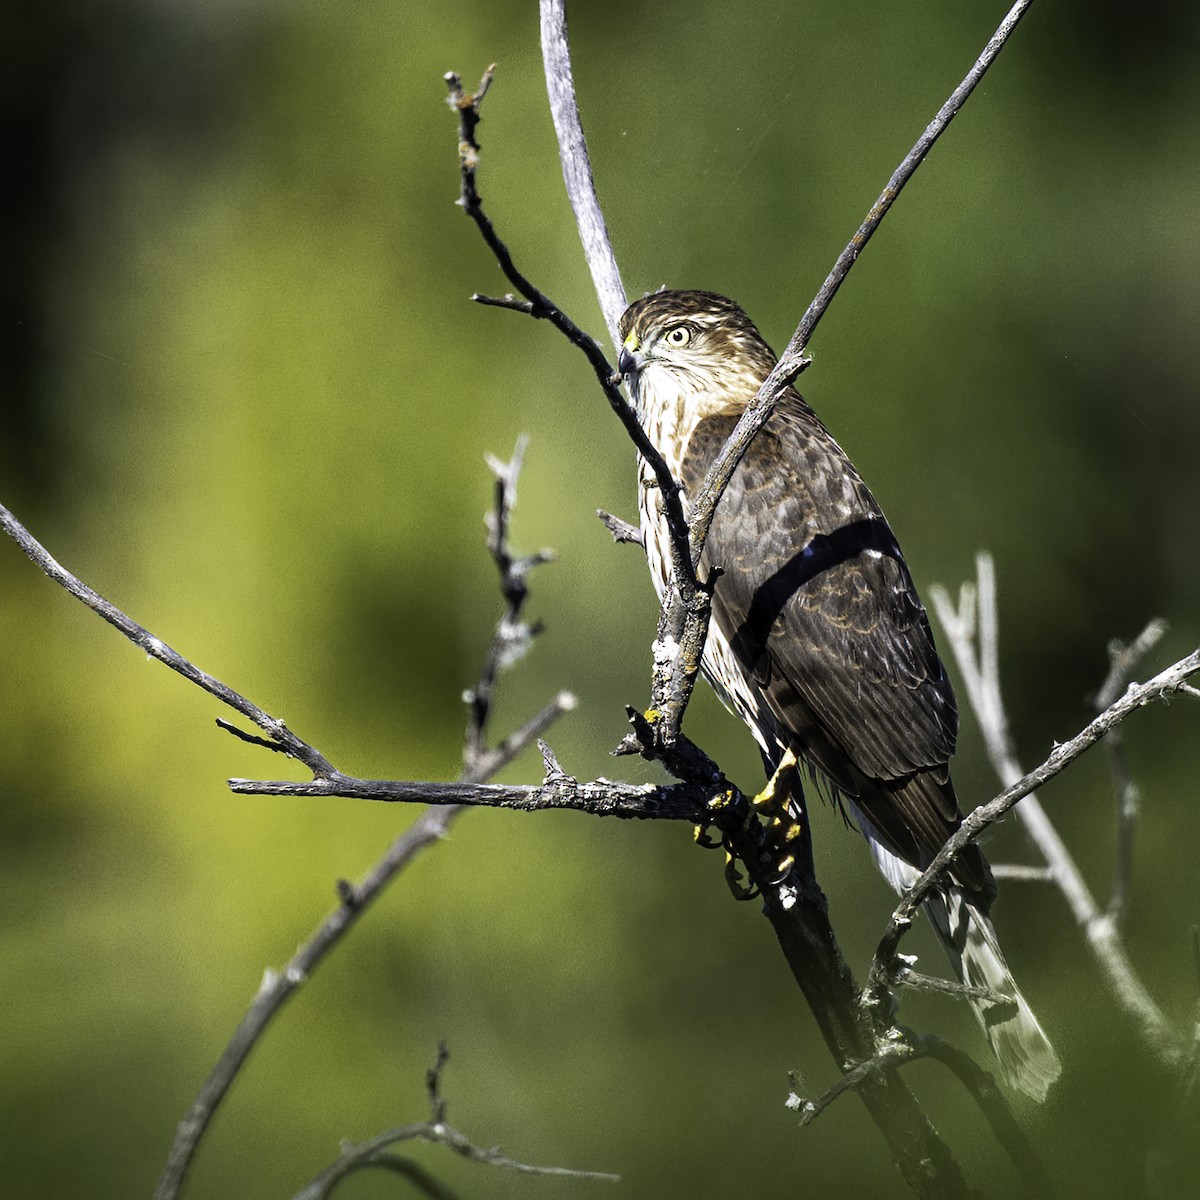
(783, 827)
(787, 768)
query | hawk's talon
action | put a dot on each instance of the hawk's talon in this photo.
(768, 798)
(700, 835)
(734, 879)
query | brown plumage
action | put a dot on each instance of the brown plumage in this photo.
(819, 640)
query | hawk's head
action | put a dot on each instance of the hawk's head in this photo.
(697, 348)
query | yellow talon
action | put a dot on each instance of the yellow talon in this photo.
(787, 764)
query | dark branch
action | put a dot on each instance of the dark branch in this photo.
(683, 622)
(467, 106)
(979, 1084)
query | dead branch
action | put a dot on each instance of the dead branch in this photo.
(376, 1153)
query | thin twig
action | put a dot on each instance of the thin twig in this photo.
(1123, 660)
(892, 1055)
(683, 620)
(904, 976)
(621, 530)
(375, 1151)
(901, 1050)
(1161, 686)
(278, 733)
(1022, 872)
(467, 106)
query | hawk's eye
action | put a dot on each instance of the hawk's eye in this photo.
(678, 336)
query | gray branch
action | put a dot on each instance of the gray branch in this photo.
(577, 167)
(1101, 933)
(976, 620)
(600, 798)
(793, 361)
(376, 1152)
(278, 735)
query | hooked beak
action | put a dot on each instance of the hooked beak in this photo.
(630, 360)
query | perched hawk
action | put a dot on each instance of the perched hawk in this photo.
(818, 640)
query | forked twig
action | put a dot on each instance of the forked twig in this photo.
(376, 1153)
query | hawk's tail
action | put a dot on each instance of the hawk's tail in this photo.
(1027, 1060)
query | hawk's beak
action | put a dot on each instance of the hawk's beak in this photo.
(630, 360)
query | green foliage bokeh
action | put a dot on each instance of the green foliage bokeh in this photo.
(247, 399)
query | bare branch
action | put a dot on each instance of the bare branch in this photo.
(375, 1152)
(601, 798)
(1022, 872)
(976, 614)
(891, 1055)
(683, 621)
(793, 361)
(622, 531)
(905, 976)
(280, 737)
(467, 106)
(508, 300)
(1122, 662)
(576, 166)
(900, 1050)
(1162, 685)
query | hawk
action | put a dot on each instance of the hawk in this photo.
(818, 639)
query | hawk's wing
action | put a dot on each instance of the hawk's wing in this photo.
(818, 606)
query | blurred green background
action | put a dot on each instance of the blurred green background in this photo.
(246, 397)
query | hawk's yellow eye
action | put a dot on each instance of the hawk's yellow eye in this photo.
(678, 336)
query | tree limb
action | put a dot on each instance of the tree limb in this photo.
(577, 167)
(279, 736)
(601, 798)
(1161, 686)
(977, 614)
